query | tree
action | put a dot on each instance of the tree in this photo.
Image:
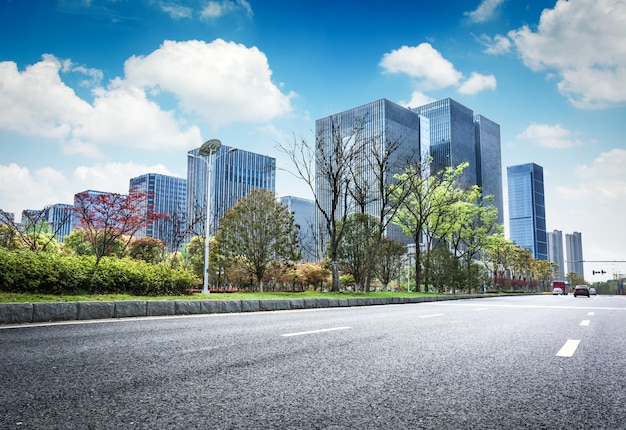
(35, 231)
(425, 203)
(147, 249)
(107, 217)
(358, 245)
(326, 169)
(258, 230)
(388, 260)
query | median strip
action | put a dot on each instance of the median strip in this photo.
(568, 349)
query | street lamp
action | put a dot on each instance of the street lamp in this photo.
(207, 150)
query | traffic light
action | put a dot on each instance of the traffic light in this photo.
(598, 272)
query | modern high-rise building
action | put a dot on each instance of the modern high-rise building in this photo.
(371, 130)
(574, 250)
(527, 211)
(59, 216)
(458, 136)
(555, 251)
(304, 217)
(235, 174)
(166, 195)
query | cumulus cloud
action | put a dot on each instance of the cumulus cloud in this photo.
(583, 43)
(176, 11)
(49, 186)
(431, 71)
(477, 83)
(549, 136)
(485, 11)
(222, 81)
(423, 63)
(418, 98)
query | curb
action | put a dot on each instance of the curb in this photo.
(23, 313)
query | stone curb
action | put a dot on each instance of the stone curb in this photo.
(21, 313)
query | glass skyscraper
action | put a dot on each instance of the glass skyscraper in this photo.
(304, 216)
(60, 217)
(555, 251)
(373, 128)
(235, 175)
(166, 195)
(527, 211)
(458, 136)
(574, 249)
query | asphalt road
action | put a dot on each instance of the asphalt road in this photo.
(534, 362)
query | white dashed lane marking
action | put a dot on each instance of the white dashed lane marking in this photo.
(568, 349)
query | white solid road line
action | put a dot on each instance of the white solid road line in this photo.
(568, 349)
(315, 331)
(585, 322)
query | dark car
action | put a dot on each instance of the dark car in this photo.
(581, 290)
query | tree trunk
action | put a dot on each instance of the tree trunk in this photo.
(335, 269)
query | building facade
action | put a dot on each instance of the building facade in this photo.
(555, 251)
(235, 174)
(458, 136)
(166, 195)
(574, 250)
(304, 216)
(59, 216)
(369, 131)
(527, 212)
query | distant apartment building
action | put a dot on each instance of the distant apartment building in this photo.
(574, 250)
(304, 216)
(235, 174)
(527, 212)
(166, 195)
(555, 251)
(458, 136)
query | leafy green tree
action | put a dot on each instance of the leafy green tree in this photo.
(259, 230)
(147, 249)
(388, 261)
(358, 243)
(425, 201)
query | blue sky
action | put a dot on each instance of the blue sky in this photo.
(94, 92)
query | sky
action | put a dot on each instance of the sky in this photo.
(95, 92)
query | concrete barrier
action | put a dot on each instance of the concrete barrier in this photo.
(21, 313)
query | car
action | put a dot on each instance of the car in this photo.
(557, 291)
(581, 290)
(592, 291)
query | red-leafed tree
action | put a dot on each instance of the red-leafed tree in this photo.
(107, 217)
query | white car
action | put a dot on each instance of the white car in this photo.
(592, 291)
(557, 291)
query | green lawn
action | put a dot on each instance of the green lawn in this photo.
(21, 298)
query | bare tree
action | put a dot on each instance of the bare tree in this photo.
(35, 230)
(326, 169)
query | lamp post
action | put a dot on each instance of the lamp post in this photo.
(207, 150)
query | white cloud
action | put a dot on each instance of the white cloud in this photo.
(222, 81)
(217, 9)
(432, 72)
(417, 99)
(477, 83)
(424, 63)
(583, 43)
(176, 11)
(497, 45)
(549, 136)
(49, 186)
(485, 11)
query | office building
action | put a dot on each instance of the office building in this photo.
(235, 174)
(458, 136)
(555, 251)
(304, 217)
(370, 130)
(166, 195)
(59, 216)
(574, 250)
(527, 212)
